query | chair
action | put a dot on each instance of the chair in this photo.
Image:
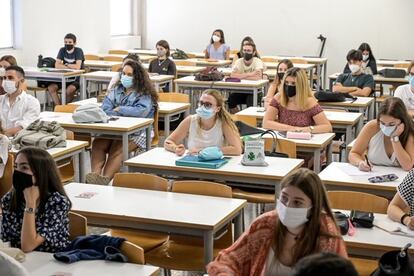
(357, 201)
(247, 119)
(147, 240)
(116, 68)
(118, 52)
(299, 60)
(78, 225)
(92, 57)
(113, 58)
(184, 63)
(173, 97)
(270, 59)
(67, 108)
(401, 65)
(156, 138)
(364, 266)
(7, 179)
(184, 252)
(133, 252)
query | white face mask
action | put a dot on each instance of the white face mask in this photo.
(2, 71)
(292, 217)
(215, 38)
(365, 57)
(9, 86)
(354, 68)
(387, 130)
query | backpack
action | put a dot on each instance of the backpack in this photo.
(89, 113)
(47, 62)
(41, 134)
(209, 74)
(326, 96)
(179, 54)
(392, 73)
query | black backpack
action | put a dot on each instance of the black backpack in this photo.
(326, 96)
(179, 54)
(47, 62)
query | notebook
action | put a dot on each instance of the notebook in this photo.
(394, 228)
(193, 161)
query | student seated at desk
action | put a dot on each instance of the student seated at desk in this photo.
(211, 126)
(5, 61)
(401, 208)
(115, 79)
(369, 64)
(217, 49)
(248, 67)
(388, 140)
(356, 83)
(274, 88)
(35, 210)
(406, 92)
(17, 108)
(301, 225)
(163, 65)
(69, 57)
(294, 108)
(245, 40)
(133, 96)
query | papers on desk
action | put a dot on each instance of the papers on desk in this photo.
(57, 70)
(394, 228)
(354, 171)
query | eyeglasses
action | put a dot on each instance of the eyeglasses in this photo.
(206, 104)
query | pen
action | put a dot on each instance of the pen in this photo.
(366, 159)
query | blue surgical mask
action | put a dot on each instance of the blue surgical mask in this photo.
(411, 81)
(205, 113)
(210, 153)
(126, 81)
(387, 130)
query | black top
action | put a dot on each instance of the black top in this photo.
(164, 67)
(371, 63)
(71, 58)
(361, 81)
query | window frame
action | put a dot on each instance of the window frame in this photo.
(11, 28)
(131, 27)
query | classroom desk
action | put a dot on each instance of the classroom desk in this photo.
(162, 162)
(308, 67)
(101, 64)
(361, 105)
(339, 120)
(206, 62)
(319, 62)
(43, 263)
(391, 63)
(153, 52)
(106, 76)
(142, 58)
(245, 86)
(63, 76)
(373, 242)
(183, 70)
(344, 176)
(179, 213)
(122, 127)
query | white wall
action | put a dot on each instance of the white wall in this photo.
(286, 27)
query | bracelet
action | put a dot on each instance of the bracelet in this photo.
(403, 217)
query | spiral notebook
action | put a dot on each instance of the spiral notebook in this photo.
(193, 161)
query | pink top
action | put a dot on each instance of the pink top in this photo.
(294, 117)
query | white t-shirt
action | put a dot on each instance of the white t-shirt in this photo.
(241, 67)
(23, 112)
(405, 93)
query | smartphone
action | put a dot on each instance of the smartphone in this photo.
(261, 109)
(113, 118)
(383, 178)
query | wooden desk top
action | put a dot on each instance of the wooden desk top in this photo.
(159, 158)
(153, 52)
(155, 207)
(347, 175)
(318, 141)
(304, 66)
(243, 83)
(101, 63)
(377, 78)
(360, 102)
(34, 72)
(388, 63)
(42, 263)
(206, 62)
(71, 146)
(108, 75)
(182, 69)
(313, 60)
(123, 124)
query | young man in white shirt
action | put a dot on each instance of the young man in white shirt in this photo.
(17, 108)
(406, 92)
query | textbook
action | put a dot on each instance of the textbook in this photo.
(394, 228)
(193, 161)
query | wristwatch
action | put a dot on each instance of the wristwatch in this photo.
(395, 139)
(29, 210)
(311, 128)
(403, 217)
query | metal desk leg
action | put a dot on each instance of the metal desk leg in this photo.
(76, 167)
(317, 160)
(83, 88)
(170, 85)
(325, 73)
(167, 125)
(208, 247)
(255, 92)
(329, 153)
(318, 83)
(82, 158)
(148, 137)
(63, 90)
(125, 144)
(348, 134)
(238, 225)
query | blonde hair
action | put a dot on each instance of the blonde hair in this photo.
(222, 114)
(303, 90)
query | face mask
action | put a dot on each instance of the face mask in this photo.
(9, 86)
(365, 57)
(210, 153)
(411, 81)
(292, 217)
(387, 130)
(205, 113)
(21, 181)
(2, 71)
(290, 90)
(215, 38)
(354, 68)
(69, 47)
(247, 56)
(126, 81)
(280, 75)
(161, 53)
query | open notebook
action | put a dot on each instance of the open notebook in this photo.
(193, 161)
(394, 228)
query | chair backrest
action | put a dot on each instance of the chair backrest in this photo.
(197, 187)
(116, 68)
(7, 178)
(173, 97)
(92, 57)
(401, 65)
(282, 145)
(78, 225)
(234, 51)
(156, 138)
(184, 63)
(112, 58)
(269, 59)
(67, 108)
(357, 201)
(133, 252)
(247, 119)
(140, 181)
(299, 60)
(118, 52)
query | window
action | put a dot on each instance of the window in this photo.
(121, 17)
(6, 37)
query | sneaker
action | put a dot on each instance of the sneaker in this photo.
(94, 178)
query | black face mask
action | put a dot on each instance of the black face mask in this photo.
(290, 90)
(21, 180)
(247, 56)
(280, 75)
(69, 47)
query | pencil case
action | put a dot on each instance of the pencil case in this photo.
(298, 135)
